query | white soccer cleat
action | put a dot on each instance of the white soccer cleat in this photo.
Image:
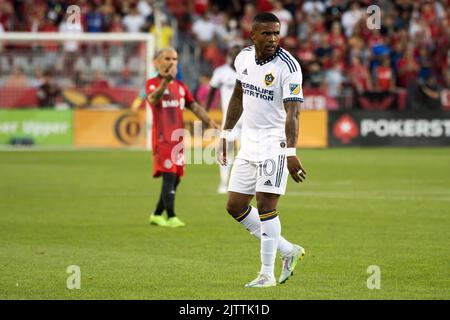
(262, 281)
(289, 262)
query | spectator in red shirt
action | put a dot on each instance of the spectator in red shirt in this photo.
(442, 50)
(99, 81)
(427, 12)
(382, 97)
(264, 5)
(305, 52)
(116, 26)
(212, 54)
(200, 7)
(167, 98)
(408, 68)
(359, 76)
(51, 47)
(247, 19)
(446, 71)
(49, 26)
(384, 76)
(336, 38)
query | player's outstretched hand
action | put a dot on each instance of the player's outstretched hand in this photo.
(298, 173)
(222, 152)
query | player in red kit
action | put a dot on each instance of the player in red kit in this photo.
(167, 98)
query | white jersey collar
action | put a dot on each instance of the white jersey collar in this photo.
(262, 62)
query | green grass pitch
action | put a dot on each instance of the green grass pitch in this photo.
(387, 207)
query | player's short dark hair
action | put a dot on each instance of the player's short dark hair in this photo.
(265, 17)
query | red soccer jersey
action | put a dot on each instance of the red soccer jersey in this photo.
(168, 114)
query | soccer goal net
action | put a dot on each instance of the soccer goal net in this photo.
(73, 70)
(76, 71)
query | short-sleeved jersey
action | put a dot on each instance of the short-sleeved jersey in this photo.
(224, 78)
(168, 113)
(265, 86)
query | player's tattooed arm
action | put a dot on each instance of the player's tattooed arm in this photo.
(156, 96)
(201, 113)
(298, 173)
(167, 76)
(234, 107)
(292, 112)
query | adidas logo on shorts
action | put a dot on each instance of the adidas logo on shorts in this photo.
(245, 72)
(268, 183)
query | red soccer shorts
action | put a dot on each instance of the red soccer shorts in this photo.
(163, 162)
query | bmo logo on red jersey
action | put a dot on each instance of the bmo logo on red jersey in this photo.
(170, 103)
(174, 103)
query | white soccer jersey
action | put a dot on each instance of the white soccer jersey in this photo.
(266, 85)
(224, 78)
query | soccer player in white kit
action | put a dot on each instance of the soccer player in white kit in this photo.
(267, 96)
(224, 78)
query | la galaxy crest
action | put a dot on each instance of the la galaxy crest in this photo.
(268, 79)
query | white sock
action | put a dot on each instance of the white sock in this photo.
(253, 224)
(224, 174)
(270, 232)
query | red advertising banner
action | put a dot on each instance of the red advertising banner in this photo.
(318, 99)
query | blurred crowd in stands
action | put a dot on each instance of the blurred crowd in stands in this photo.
(406, 60)
(96, 15)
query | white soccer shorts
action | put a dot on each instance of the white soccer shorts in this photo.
(268, 176)
(235, 134)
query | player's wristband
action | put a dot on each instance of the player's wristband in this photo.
(225, 134)
(291, 152)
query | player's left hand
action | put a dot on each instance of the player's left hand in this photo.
(295, 168)
(222, 152)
